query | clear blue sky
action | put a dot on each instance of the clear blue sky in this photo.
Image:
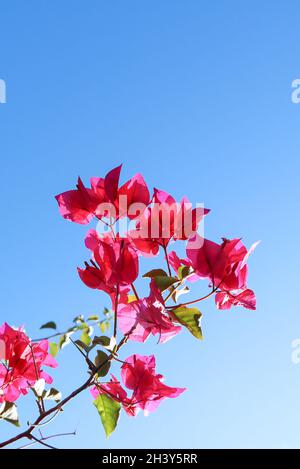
(196, 96)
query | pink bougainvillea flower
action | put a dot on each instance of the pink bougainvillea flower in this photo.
(105, 198)
(23, 363)
(164, 220)
(114, 265)
(245, 298)
(148, 390)
(138, 374)
(147, 316)
(225, 266)
(115, 257)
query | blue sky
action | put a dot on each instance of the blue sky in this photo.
(196, 96)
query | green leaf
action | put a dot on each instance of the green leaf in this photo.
(93, 318)
(164, 283)
(82, 326)
(190, 318)
(82, 345)
(9, 412)
(85, 337)
(102, 326)
(64, 340)
(155, 273)
(102, 340)
(101, 357)
(49, 325)
(52, 394)
(79, 319)
(54, 348)
(184, 271)
(109, 411)
(107, 312)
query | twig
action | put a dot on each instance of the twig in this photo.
(134, 291)
(173, 291)
(41, 442)
(167, 259)
(116, 312)
(47, 438)
(197, 300)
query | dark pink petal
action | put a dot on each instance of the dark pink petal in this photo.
(97, 185)
(71, 207)
(208, 260)
(100, 197)
(136, 192)
(145, 247)
(92, 240)
(126, 266)
(133, 369)
(91, 277)
(111, 183)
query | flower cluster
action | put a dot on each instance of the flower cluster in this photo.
(114, 266)
(224, 265)
(22, 363)
(152, 223)
(148, 390)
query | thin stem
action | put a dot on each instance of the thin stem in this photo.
(104, 222)
(43, 424)
(49, 336)
(195, 301)
(167, 259)
(134, 291)
(116, 312)
(47, 438)
(40, 398)
(41, 442)
(173, 291)
(111, 225)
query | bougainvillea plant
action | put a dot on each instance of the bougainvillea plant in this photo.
(134, 224)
